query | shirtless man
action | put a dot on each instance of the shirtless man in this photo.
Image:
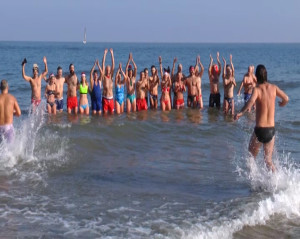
(35, 81)
(192, 83)
(175, 77)
(59, 97)
(229, 84)
(72, 82)
(130, 84)
(9, 108)
(153, 88)
(214, 72)
(249, 82)
(141, 85)
(96, 94)
(264, 96)
(199, 79)
(108, 84)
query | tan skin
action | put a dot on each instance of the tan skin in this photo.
(109, 74)
(130, 83)
(95, 80)
(213, 76)
(249, 81)
(9, 108)
(60, 80)
(166, 82)
(141, 85)
(199, 79)
(51, 98)
(153, 87)
(118, 83)
(229, 84)
(179, 89)
(175, 76)
(72, 82)
(193, 85)
(36, 80)
(83, 99)
(264, 96)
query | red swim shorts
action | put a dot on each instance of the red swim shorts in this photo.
(72, 102)
(180, 102)
(108, 105)
(141, 104)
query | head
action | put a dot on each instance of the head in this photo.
(4, 86)
(215, 69)
(261, 74)
(153, 69)
(146, 72)
(95, 74)
(179, 76)
(142, 75)
(51, 78)
(166, 75)
(130, 71)
(179, 68)
(83, 77)
(59, 71)
(107, 70)
(228, 70)
(35, 70)
(192, 70)
(72, 69)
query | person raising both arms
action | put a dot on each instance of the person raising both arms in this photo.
(199, 81)
(60, 80)
(120, 89)
(153, 87)
(72, 82)
(130, 84)
(229, 84)
(108, 95)
(141, 85)
(35, 81)
(166, 83)
(264, 96)
(50, 93)
(83, 99)
(96, 94)
(179, 88)
(214, 71)
(174, 78)
(9, 108)
(146, 71)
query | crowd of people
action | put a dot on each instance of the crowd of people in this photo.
(258, 93)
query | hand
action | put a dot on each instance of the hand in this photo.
(130, 56)
(218, 55)
(105, 51)
(120, 65)
(96, 62)
(211, 59)
(224, 60)
(175, 60)
(24, 61)
(159, 59)
(281, 103)
(45, 60)
(198, 59)
(111, 51)
(237, 116)
(230, 58)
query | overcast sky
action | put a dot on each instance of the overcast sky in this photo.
(150, 20)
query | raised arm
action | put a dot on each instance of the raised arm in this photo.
(103, 60)
(112, 62)
(210, 65)
(284, 98)
(160, 66)
(173, 68)
(232, 67)
(201, 66)
(27, 78)
(119, 69)
(91, 75)
(135, 68)
(128, 62)
(43, 75)
(224, 69)
(101, 73)
(219, 62)
(248, 106)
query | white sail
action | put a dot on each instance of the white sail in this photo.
(84, 36)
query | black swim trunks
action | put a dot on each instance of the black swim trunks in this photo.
(191, 98)
(215, 99)
(264, 134)
(229, 100)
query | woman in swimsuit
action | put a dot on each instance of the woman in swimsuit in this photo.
(83, 100)
(179, 88)
(50, 92)
(165, 100)
(119, 87)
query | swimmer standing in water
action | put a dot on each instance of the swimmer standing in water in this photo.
(264, 96)
(214, 71)
(9, 108)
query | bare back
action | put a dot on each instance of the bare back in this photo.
(8, 105)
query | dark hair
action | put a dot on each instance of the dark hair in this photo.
(59, 68)
(71, 65)
(191, 67)
(4, 85)
(167, 69)
(146, 69)
(261, 74)
(95, 71)
(227, 65)
(153, 66)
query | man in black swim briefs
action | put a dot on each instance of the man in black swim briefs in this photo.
(264, 96)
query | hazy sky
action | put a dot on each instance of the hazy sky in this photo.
(151, 20)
